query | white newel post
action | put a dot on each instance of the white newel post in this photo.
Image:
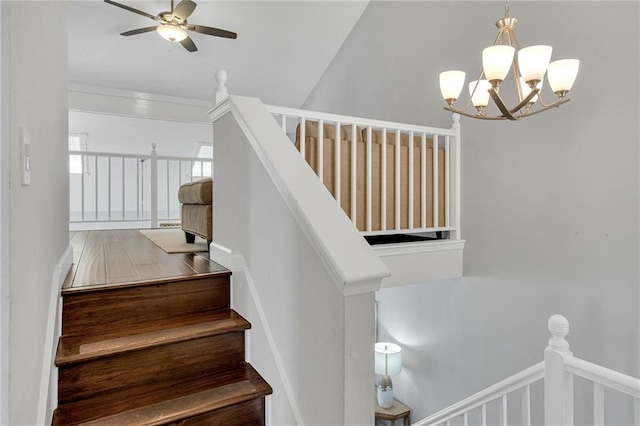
(154, 186)
(221, 90)
(558, 384)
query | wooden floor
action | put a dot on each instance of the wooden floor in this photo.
(125, 257)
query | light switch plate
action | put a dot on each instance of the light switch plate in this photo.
(25, 156)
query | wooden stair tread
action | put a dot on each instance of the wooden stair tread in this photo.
(139, 283)
(178, 408)
(166, 401)
(74, 348)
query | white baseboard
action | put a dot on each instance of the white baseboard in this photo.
(48, 389)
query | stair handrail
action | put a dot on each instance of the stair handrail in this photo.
(520, 380)
(557, 371)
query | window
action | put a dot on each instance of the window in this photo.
(203, 150)
(77, 142)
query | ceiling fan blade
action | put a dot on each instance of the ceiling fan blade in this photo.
(189, 44)
(212, 31)
(138, 31)
(131, 9)
(184, 9)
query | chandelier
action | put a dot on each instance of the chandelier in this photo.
(529, 67)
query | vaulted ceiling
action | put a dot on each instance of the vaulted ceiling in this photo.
(281, 51)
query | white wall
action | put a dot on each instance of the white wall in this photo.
(550, 204)
(39, 212)
(134, 135)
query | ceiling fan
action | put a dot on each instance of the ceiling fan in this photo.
(173, 25)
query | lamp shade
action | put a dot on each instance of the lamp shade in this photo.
(481, 95)
(171, 32)
(451, 83)
(388, 360)
(496, 61)
(533, 62)
(562, 74)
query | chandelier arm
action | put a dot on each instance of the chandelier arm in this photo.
(466, 114)
(500, 104)
(525, 101)
(553, 105)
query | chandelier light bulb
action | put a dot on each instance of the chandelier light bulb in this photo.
(171, 32)
(533, 62)
(496, 61)
(562, 74)
(451, 83)
(479, 97)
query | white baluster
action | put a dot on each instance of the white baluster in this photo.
(436, 174)
(320, 147)
(303, 136)
(423, 181)
(283, 121)
(447, 195)
(96, 184)
(526, 405)
(636, 412)
(221, 90)
(397, 182)
(383, 181)
(336, 168)
(109, 189)
(598, 404)
(502, 412)
(123, 191)
(411, 194)
(465, 419)
(354, 174)
(484, 414)
(558, 384)
(154, 186)
(368, 174)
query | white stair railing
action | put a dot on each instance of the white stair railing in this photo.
(129, 188)
(558, 369)
(422, 197)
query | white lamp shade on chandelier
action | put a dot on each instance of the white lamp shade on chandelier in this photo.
(529, 66)
(388, 359)
(562, 74)
(451, 83)
(171, 32)
(496, 62)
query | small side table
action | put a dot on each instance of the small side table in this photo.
(397, 411)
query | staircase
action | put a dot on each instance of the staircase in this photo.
(160, 352)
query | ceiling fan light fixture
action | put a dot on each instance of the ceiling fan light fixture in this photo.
(172, 32)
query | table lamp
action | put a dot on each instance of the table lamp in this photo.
(388, 362)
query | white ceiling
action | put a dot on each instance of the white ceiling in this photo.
(281, 51)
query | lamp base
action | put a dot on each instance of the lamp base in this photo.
(385, 392)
